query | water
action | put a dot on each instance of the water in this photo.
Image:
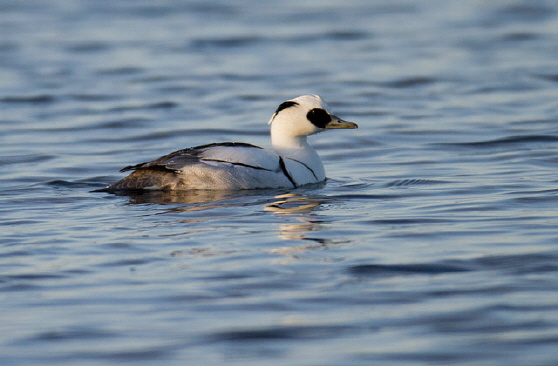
(434, 242)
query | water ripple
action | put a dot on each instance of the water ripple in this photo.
(405, 269)
(24, 159)
(282, 333)
(32, 99)
(511, 140)
(432, 242)
(519, 264)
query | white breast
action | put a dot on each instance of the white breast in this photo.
(303, 174)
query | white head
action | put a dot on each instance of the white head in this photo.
(303, 116)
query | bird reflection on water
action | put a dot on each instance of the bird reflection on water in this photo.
(298, 208)
(182, 197)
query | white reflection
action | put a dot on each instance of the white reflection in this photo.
(299, 208)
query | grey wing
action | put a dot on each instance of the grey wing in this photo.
(167, 171)
(167, 162)
(160, 173)
(174, 161)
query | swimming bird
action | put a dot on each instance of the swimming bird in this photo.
(235, 166)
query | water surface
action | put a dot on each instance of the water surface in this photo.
(434, 241)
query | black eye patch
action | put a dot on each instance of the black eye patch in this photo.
(319, 117)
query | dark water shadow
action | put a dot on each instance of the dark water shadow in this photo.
(198, 196)
(182, 197)
(504, 142)
(515, 264)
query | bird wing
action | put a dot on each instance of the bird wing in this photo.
(235, 153)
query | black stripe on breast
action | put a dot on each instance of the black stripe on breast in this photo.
(284, 169)
(307, 167)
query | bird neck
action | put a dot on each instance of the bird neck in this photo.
(297, 148)
(281, 141)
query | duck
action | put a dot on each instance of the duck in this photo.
(291, 163)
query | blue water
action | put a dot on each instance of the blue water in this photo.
(434, 241)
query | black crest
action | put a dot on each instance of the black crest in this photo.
(319, 117)
(285, 105)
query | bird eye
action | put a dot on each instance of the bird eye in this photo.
(319, 117)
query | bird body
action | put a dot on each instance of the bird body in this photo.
(235, 166)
